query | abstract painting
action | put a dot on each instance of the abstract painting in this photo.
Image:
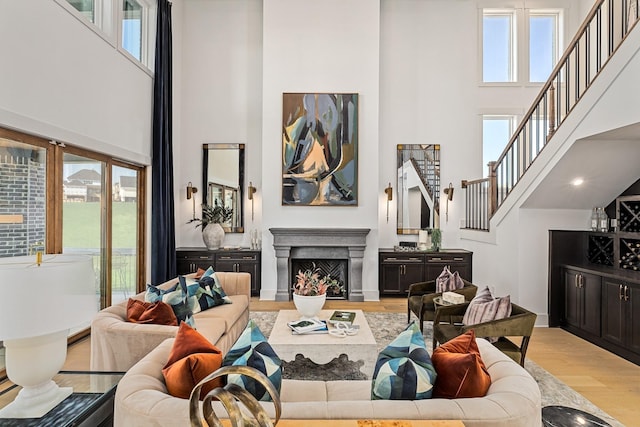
(320, 149)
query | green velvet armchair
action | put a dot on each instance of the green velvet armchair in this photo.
(421, 295)
(519, 324)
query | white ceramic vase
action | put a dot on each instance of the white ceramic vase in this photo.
(309, 306)
(213, 235)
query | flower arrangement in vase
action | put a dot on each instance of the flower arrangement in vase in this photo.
(310, 291)
(212, 219)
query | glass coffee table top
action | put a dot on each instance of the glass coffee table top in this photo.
(90, 391)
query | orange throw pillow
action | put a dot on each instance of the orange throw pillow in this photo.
(192, 358)
(157, 313)
(461, 371)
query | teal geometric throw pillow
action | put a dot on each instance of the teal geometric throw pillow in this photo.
(176, 297)
(252, 349)
(404, 370)
(210, 281)
(200, 297)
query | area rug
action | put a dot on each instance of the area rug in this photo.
(385, 327)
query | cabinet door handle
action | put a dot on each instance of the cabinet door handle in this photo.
(458, 259)
(203, 257)
(581, 281)
(575, 281)
(626, 293)
(620, 295)
(436, 259)
(391, 258)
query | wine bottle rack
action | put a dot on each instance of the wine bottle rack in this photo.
(628, 212)
(629, 254)
(600, 250)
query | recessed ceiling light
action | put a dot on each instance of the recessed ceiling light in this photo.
(577, 181)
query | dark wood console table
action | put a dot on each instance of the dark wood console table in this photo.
(397, 270)
(189, 259)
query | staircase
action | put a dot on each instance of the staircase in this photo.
(596, 44)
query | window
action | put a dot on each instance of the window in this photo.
(512, 53)
(498, 44)
(128, 25)
(132, 28)
(496, 132)
(85, 7)
(543, 45)
(91, 208)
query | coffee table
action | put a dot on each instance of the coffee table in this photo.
(323, 348)
(90, 404)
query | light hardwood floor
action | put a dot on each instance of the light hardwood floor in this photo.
(610, 382)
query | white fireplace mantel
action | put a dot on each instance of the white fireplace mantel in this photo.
(320, 241)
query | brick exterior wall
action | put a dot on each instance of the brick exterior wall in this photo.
(22, 192)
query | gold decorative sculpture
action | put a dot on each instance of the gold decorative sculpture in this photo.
(229, 396)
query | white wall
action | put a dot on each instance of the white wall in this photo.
(60, 80)
(329, 46)
(218, 92)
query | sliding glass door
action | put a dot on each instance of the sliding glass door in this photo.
(58, 198)
(124, 230)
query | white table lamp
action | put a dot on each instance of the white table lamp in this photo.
(38, 306)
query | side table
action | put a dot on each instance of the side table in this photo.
(90, 405)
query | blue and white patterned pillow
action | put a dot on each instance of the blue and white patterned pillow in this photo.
(209, 279)
(252, 349)
(404, 370)
(176, 297)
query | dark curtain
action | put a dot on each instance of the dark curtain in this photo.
(163, 242)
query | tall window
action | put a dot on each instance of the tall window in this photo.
(498, 46)
(512, 54)
(543, 44)
(496, 132)
(132, 28)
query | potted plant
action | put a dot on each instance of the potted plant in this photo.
(212, 219)
(436, 239)
(310, 291)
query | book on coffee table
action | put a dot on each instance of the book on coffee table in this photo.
(323, 330)
(304, 326)
(344, 317)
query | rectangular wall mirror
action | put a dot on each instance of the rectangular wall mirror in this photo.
(223, 181)
(418, 187)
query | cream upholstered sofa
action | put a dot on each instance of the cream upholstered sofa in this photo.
(116, 344)
(513, 398)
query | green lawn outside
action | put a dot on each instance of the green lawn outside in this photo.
(81, 225)
(81, 231)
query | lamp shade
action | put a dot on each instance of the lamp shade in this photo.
(56, 295)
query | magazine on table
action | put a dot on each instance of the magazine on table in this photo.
(322, 330)
(304, 326)
(344, 317)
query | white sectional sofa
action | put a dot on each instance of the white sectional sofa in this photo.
(116, 344)
(513, 400)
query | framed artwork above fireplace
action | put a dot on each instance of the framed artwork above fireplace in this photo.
(320, 149)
